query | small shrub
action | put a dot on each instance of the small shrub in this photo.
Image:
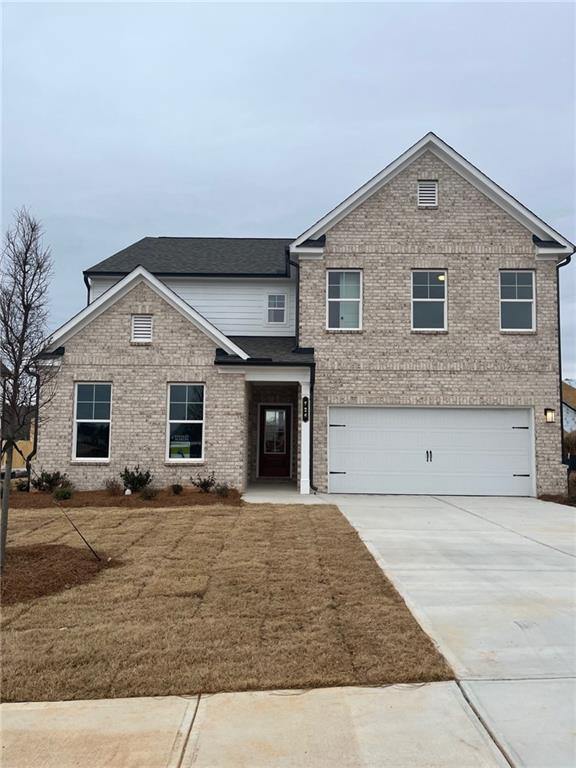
(22, 485)
(149, 492)
(176, 489)
(113, 487)
(48, 481)
(205, 484)
(135, 479)
(63, 492)
(222, 489)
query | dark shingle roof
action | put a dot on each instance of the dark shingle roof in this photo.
(200, 256)
(268, 349)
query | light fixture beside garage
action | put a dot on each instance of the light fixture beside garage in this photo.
(550, 415)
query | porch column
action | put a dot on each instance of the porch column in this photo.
(304, 439)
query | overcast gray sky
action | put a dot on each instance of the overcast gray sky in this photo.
(126, 120)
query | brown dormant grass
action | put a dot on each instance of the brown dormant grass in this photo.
(209, 599)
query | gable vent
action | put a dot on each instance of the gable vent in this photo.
(427, 194)
(141, 328)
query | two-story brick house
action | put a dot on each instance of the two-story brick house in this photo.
(405, 343)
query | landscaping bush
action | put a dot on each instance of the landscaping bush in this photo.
(177, 488)
(222, 489)
(205, 484)
(48, 481)
(135, 479)
(113, 487)
(22, 485)
(149, 492)
(63, 492)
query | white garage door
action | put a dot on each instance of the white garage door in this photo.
(461, 451)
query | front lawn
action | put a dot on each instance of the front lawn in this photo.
(200, 600)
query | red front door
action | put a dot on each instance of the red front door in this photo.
(275, 439)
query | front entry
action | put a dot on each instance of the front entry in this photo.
(274, 442)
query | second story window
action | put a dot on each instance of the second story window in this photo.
(428, 300)
(517, 301)
(277, 308)
(344, 299)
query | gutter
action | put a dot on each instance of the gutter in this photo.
(296, 265)
(561, 264)
(87, 284)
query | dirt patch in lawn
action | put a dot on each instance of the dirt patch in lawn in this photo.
(38, 570)
(190, 497)
(211, 599)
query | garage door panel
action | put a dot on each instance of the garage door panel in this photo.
(469, 451)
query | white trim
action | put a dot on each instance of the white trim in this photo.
(282, 374)
(359, 300)
(258, 435)
(169, 421)
(444, 301)
(75, 421)
(532, 301)
(120, 289)
(426, 188)
(431, 142)
(304, 442)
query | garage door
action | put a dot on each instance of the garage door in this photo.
(462, 451)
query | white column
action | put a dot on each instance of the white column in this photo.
(304, 440)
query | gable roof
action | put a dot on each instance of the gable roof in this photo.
(202, 256)
(569, 395)
(555, 243)
(120, 289)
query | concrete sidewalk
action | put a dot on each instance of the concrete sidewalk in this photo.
(401, 726)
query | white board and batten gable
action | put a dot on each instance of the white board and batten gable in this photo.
(556, 246)
(120, 289)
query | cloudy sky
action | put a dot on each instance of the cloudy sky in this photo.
(122, 120)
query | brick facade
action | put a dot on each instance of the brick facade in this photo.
(473, 363)
(102, 351)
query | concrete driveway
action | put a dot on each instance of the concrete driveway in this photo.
(493, 581)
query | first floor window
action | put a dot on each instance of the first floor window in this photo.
(92, 421)
(185, 422)
(344, 299)
(428, 300)
(276, 308)
(517, 300)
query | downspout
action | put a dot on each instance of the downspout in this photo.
(87, 284)
(31, 455)
(297, 320)
(566, 261)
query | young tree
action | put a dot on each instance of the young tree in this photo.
(25, 272)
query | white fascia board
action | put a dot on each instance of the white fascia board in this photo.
(433, 143)
(120, 289)
(269, 373)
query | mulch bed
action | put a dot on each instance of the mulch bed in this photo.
(569, 501)
(205, 599)
(190, 497)
(39, 570)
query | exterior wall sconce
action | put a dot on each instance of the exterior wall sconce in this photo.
(550, 415)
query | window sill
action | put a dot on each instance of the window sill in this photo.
(430, 332)
(517, 332)
(89, 462)
(140, 343)
(184, 462)
(344, 330)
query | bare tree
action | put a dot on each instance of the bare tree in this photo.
(25, 273)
